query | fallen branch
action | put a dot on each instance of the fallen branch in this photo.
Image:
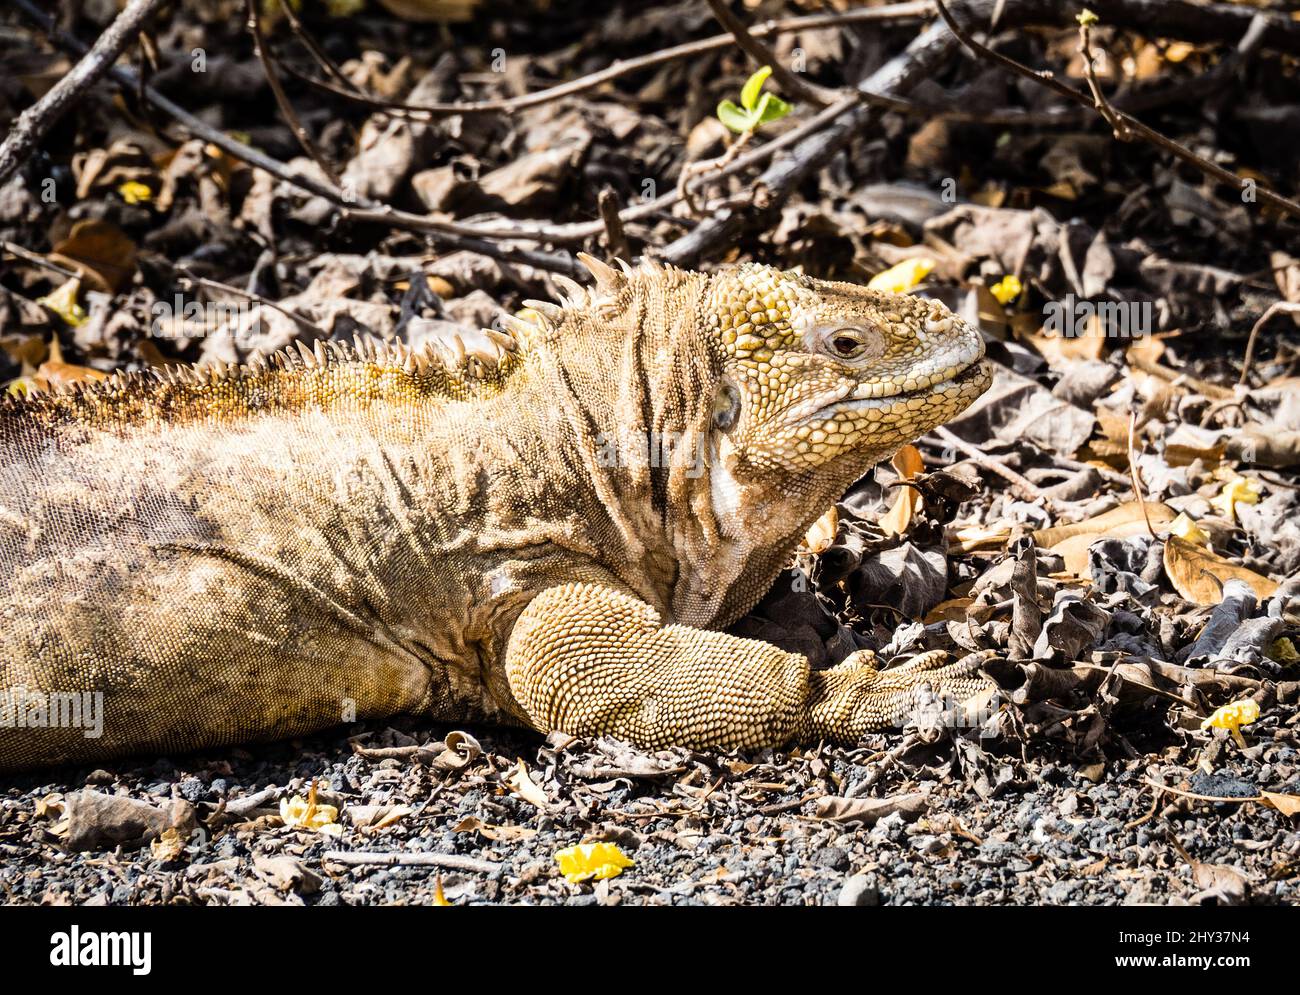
(921, 60)
(448, 861)
(35, 122)
(365, 209)
(1123, 123)
(890, 13)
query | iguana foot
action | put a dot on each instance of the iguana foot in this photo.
(855, 697)
(591, 660)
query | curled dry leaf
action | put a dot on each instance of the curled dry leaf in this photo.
(523, 785)
(821, 534)
(907, 500)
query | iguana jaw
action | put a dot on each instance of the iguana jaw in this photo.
(871, 396)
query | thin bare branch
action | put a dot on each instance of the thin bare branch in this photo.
(35, 122)
(290, 116)
(891, 13)
(791, 83)
(1277, 307)
(1181, 152)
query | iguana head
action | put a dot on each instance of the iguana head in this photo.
(820, 380)
(795, 386)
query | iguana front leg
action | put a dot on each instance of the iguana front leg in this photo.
(590, 660)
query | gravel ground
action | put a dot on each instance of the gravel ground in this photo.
(953, 821)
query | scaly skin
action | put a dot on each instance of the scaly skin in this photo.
(255, 553)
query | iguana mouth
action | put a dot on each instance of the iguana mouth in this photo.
(979, 370)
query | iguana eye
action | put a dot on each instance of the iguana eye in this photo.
(726, 407)
(847, 342)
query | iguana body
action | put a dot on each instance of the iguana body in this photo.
(253, 553)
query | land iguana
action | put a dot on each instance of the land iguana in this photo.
(478, 530)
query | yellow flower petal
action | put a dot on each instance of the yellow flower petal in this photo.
(902, 277)
(1232, 717)
(134, 192)
(592, 860)
(306, 813)
(63, 302)
(1238, 490)
(1007, 289)
(1185, 528)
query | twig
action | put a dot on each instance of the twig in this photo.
(318, 53)
(1023, 485)
(38, 260)
(281, 98)
(1133, 473)
(1201, 798)
(35, 122)
(577, 232)
(843, 120)
(762, 55)
(1099, 101)
(306, 324)
(1277, 307)
(1135, 126)
(447, 861)
(362, 208)
(1151, 813)
(510, 105)
(693, 171)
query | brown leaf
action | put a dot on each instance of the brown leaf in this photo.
(100, 251)
(1286, 804)
(907, 502)
(870, 810)
(821, 534)
(523, 785)
(1199, 575)
(1071, 542)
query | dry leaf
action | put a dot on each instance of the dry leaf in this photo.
(1199, 575)
(907, 502)
(952, 610)
(821, 534)
(1286, 804)
(522, 785)
(1071, 542)
(101, 252)
(168, 846)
